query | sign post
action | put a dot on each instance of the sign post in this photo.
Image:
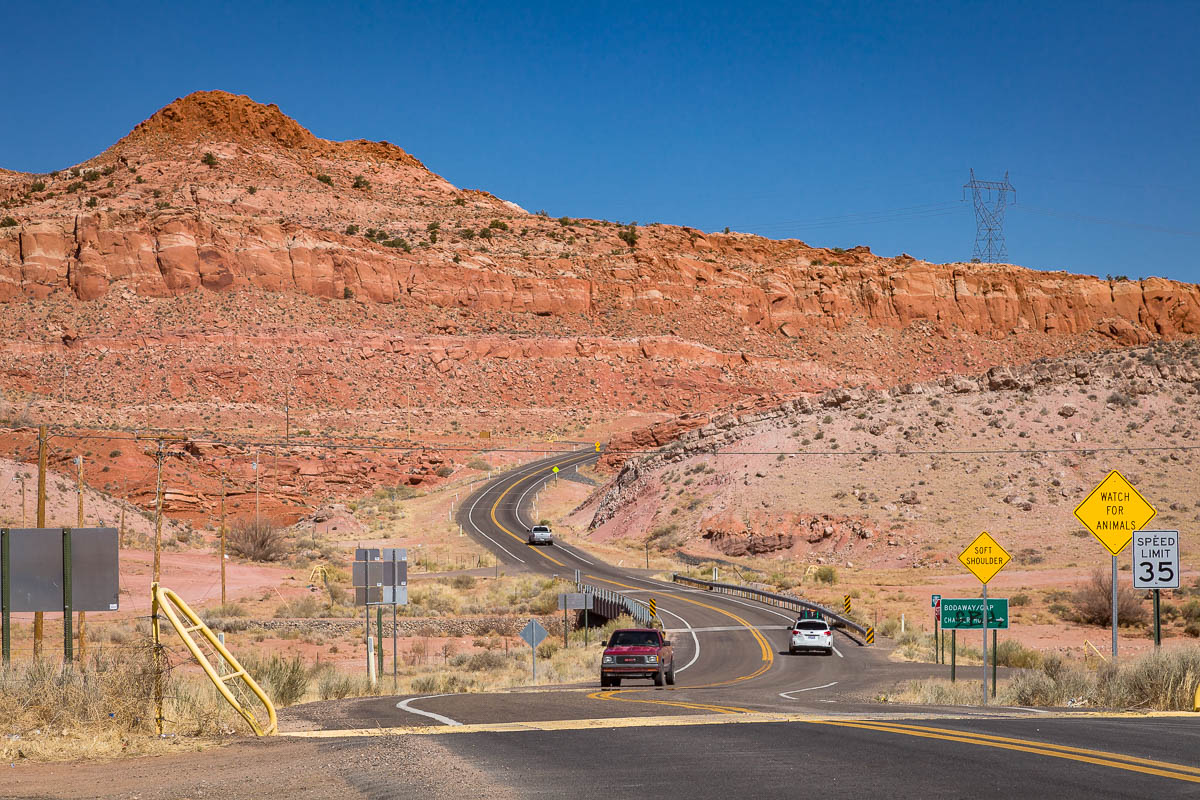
(984, 557)
(1156, 566)
(1112, 512)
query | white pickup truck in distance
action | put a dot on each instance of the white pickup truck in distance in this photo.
(540, 534)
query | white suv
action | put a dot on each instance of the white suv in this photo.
(540, 534)
(811, 634)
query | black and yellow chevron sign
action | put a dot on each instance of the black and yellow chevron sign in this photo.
(870, 635)
(846, 603)
(653, 607)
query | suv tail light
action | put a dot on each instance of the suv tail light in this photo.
(829, 633)
(795, 633)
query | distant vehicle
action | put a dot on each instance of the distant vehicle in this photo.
(811, 634)
(637, 653)
(808, 613)
(540, 534)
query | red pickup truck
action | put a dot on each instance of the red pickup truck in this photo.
(637, 653)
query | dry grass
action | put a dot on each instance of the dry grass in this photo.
(99, 709)
(1159, 681)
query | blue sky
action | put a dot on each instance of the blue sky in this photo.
(839, 123)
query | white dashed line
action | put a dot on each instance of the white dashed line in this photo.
(788, 695)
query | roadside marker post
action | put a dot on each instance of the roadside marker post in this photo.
(1156, 567)
(984, 557)
(1111, 513)
(653, 607)
(846, 604)
(938, 650)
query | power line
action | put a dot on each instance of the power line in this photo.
(1114, 222)
(409, 446)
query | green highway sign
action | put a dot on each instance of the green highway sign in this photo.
(967, 613)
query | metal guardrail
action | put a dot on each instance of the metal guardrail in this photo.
(782, 600)
(611, 604)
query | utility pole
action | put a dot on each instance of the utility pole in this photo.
(222, 532)
(38, 621)
(158, 505)
(82, 614)
(20, 476)
(256, 490)
(990, 198)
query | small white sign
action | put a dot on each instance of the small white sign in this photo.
(1155, 559)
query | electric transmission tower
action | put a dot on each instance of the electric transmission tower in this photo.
(990, 199)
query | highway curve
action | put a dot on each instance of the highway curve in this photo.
(744, 720)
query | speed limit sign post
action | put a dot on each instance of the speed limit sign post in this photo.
(1156, 566)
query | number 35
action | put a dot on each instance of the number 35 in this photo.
(1165, 573)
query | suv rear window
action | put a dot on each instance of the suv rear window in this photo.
(811, 625)
(633, 638)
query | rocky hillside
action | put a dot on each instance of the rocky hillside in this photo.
(897, 477)
(221, 268)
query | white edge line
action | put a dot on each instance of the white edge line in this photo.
(404, 706)
(471, 519)
(788, 695)
(839, 652)
(695, 639)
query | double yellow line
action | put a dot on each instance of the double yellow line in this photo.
(767, 652)
(1148, 766)
(568, 461)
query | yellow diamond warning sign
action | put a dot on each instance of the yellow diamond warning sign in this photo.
(984, 557)
(1113, 511)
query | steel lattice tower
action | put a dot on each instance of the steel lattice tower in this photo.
(990, 199)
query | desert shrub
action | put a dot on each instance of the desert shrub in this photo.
(257, 540)
(361, 183)
(1011, 653)
(347, 293)
(334, 685)
(37, 186)
(304, 607)
(325, 179)
(628, 235)
(549, 647)
(486, 661)
(1190, 610)
(228, 610)
(1093, 602)
(351, 230)
(664, 537)
(463, 582)
(479, 464)
(252, 189)
(1020, 599)
(499, 225)
(445, 471)
(209, 160)
(92, 202)
(8, 222)
(826, 574)
(285, 680)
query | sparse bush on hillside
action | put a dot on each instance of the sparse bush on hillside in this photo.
(8, 222)
(259, 540)
(360, 182)
(1093, 602)
(628, 235)
(37, 186)
(445, 471)
(826, 574)
(479, 464)
(209, 160)
(325, 179)
(351, 230)
(664, 537)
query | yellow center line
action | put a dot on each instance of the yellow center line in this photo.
(566, 462)
(987, 737)
(768, 658)
(1114, 760)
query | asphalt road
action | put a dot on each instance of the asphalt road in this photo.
(745, 718)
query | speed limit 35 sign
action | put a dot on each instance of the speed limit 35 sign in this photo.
(1155, 559)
